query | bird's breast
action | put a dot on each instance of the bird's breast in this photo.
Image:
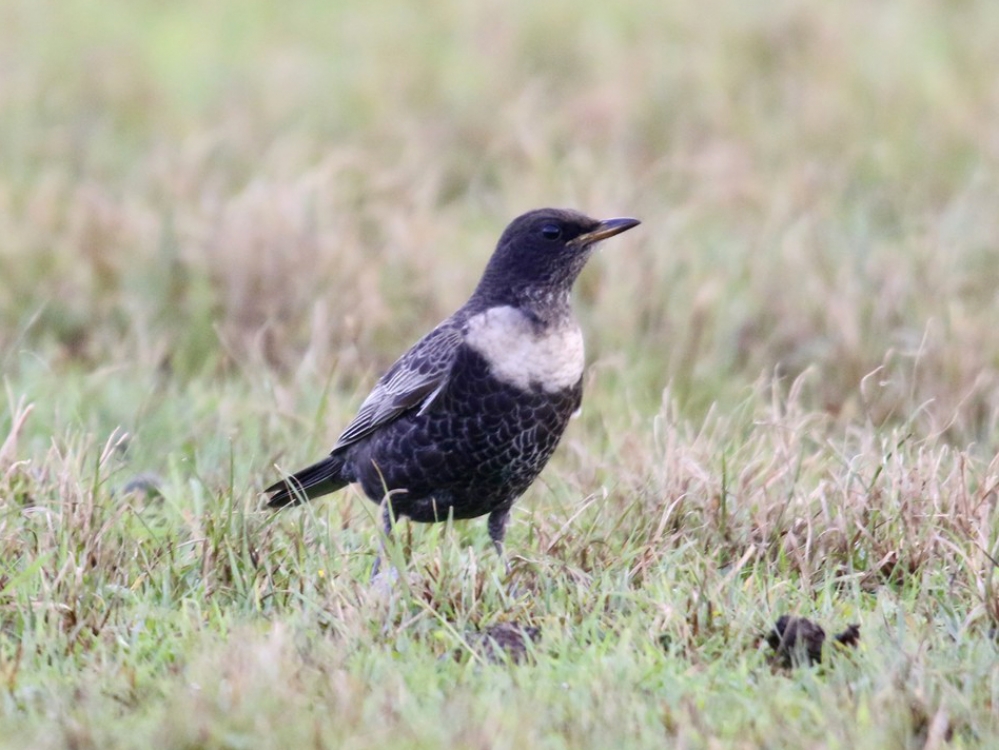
(523, 354)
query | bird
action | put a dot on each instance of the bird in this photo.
(463, 422)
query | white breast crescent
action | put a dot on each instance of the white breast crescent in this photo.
(519, 354)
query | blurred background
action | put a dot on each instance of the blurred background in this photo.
(221, 220)
(277, 199)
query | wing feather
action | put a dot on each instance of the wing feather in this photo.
(413, 381)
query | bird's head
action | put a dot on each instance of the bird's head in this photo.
(541, 253)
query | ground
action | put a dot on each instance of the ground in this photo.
(219, 222)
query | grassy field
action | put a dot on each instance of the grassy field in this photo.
(219, 221)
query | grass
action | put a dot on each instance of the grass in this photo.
(219, 222)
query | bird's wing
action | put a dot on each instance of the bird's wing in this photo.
(412, 382)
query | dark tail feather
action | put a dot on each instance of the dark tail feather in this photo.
(321, 478)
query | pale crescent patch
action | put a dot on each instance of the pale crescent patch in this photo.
(523, 356)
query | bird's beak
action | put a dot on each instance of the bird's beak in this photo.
(606, 228)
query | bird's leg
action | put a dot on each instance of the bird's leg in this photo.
(388, 521)
(497, 531)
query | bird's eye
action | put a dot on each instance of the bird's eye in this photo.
(551, 231)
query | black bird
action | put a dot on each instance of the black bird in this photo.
(463, 423)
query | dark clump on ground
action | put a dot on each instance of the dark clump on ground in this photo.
(798, 641)
(145, 485)
(849, 637)
(507, 641)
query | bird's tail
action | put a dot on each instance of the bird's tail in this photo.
(321, 478)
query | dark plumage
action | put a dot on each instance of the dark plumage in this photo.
(463, 422)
